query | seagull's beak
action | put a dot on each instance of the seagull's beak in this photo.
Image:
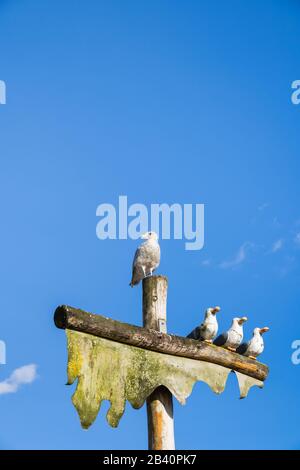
(264, 330)
(242, 320)
(216, 309)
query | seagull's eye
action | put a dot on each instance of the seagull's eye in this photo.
(150, 233)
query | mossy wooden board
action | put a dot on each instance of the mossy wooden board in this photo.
(109, 370)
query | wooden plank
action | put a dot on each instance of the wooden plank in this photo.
(79, 320)
(160, 402)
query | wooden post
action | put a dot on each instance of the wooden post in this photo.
(160, 402)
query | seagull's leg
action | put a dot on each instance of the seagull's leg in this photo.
(252, 357)
(208, 341)
(149, 274)
(230, 348)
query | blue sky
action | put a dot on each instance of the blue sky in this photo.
(162, 101)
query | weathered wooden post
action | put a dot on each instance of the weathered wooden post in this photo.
(160, 402)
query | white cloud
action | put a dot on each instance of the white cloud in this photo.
(206, 262)
(238, 258)
(297, 239)
(22, 375)
(277, 246)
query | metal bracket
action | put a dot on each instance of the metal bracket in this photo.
(162, 325)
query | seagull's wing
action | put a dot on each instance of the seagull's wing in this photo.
(146, 260)
(137, 270)
(242, 348)
(202, 329)
(221, 339)
(137, 256)
(136, 278)
(195, 334)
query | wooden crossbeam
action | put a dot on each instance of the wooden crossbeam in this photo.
(67, 317)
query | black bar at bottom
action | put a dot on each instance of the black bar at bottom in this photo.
(134, 459)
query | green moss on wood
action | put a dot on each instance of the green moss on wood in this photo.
(107, 370)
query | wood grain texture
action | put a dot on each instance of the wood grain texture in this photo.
(155, 303)
(97, 325)
(160, 402)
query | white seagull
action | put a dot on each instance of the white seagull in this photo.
(146, 258)
(232, 338)
(255, 346)
(209, 328)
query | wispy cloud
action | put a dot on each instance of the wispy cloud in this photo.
(23, 375)
(289, 263)
(297, 239)
(277, 246)
(263, 206)
(238, 258)
(206, 262)
(276, 222)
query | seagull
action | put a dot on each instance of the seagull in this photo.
(232, 338)
(146, 258)
(255, 346)
(209, 328)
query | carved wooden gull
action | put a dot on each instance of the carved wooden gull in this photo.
(146, 259)
(209, 328)
(232, 338)
(255, 346)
